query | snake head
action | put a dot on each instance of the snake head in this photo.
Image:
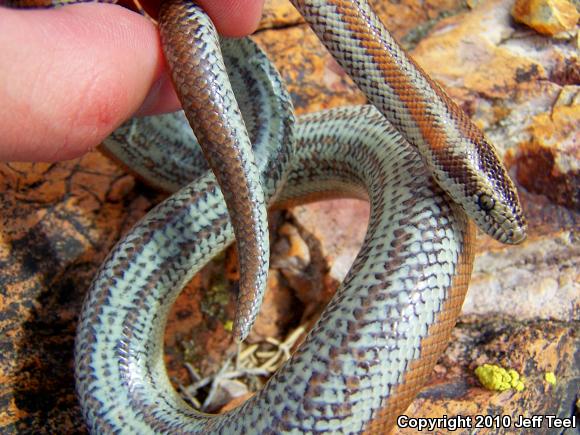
(497, 208)
(476, 179)
(497, 211)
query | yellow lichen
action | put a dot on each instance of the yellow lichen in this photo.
(550, 378)
(496, 378)
(229, 326)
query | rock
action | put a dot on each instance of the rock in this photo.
(339, 226)
(227, 391)
(59, 220)
(499, 76)
(280, 309)
(333, 231)
(531, 348)
(197, 329)
(548, 17)
(236, 402)
(279, 13)
(549, 162)
(319, 83)
(297, 255)
(536, 281)
(290, 252)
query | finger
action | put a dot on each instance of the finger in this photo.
(231, 17)
(234, 17)
(70, 76)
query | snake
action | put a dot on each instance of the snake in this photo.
(428, 172)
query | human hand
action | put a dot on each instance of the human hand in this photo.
(69, 76)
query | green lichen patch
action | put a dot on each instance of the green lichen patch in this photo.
(550, 378)
(497, 378)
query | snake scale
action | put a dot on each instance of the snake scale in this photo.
(424, 167)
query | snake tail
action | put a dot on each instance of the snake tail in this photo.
(192, 50)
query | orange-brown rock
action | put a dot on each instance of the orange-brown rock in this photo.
(339, 226)
(59, 220)
(280, 309)
(548, 17)
(279, 13)
(197, 331)
(298, 257)
(549, 163)
(532, 349)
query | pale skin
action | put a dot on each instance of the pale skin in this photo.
(70, 76)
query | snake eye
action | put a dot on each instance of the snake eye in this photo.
(486, 202)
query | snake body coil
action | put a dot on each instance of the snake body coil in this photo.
(378, 340)
(373, 345)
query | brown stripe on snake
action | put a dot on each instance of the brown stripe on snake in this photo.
(414, 100)
(463, 162)
(396, 75)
